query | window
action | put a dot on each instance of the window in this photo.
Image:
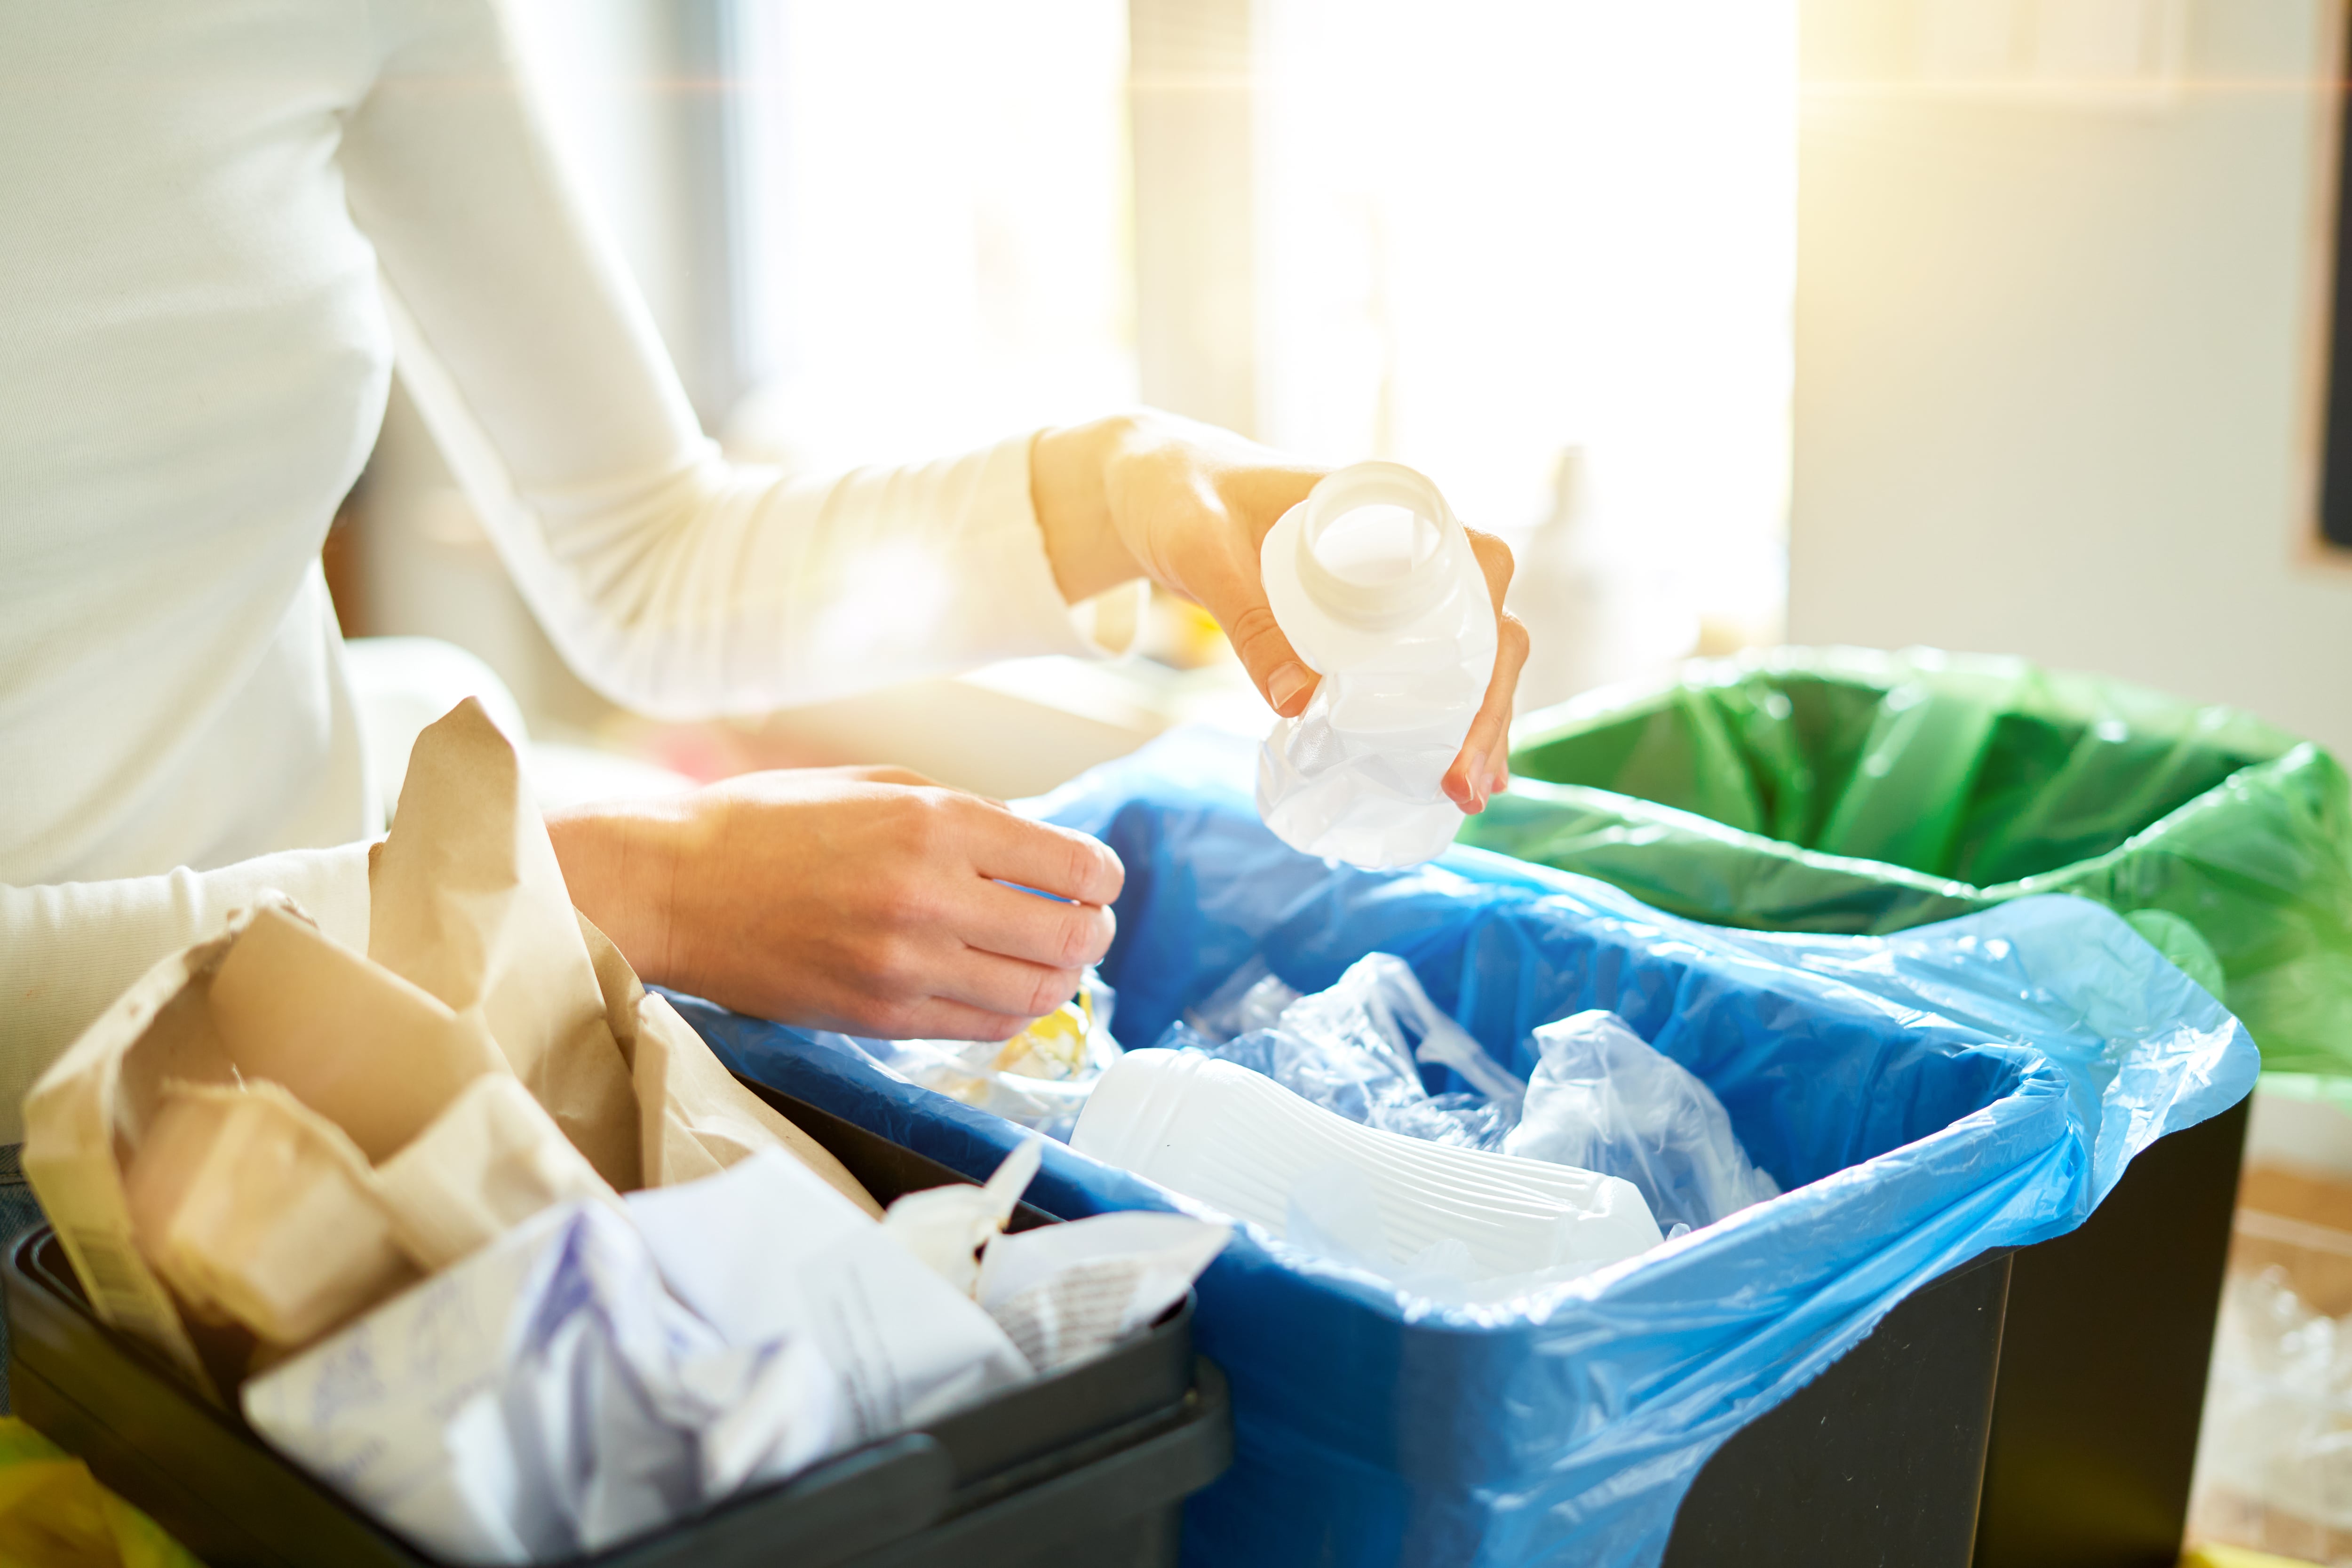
(938, 195)
(1513, 243)
(1542, 249)
(1532, 247)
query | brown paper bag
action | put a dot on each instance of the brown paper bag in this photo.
(465, 899)
(259, 1211)
(478, 965)
(695, 1120)
(292, 1005)
(490, 1160)
(298, 1011)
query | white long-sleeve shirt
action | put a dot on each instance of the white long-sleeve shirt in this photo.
(216, 221)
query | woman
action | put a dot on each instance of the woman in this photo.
(218, 223)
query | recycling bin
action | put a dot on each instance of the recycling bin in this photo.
(1089, 1465)
(1852, 791)
(1810, 1379)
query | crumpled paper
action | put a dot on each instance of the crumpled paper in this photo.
(543, 1398)
(477, 966)
(591, 1375)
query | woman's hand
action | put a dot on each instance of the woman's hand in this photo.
(1188, 505)
(865, 900)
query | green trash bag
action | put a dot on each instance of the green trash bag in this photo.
(1841, 790)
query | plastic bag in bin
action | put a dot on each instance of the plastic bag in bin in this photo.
(1920, 1098)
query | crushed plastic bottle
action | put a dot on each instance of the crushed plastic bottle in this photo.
(1230, 1138)
(1353, 1049)
(1604, 1098)
(1372, 580)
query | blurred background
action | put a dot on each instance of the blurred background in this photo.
(1990, 324)
(1542, 251)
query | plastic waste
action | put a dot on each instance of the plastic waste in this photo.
(1242, 1144)
(1352, 1050)
(1848, 790)
(1252, 998)
(1602, 1098)
(2274, 1451)
(1378, 1007)
(1039, 1078)
(1969, 1086)
(1372, 580)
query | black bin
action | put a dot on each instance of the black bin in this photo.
(2033, 1408)
(1091, 1465)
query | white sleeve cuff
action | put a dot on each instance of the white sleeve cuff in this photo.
(68, 950)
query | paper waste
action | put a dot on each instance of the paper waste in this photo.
(583, 1379)
(196, 1221)
(480, 1232)
(1065, 1292)
(544, 1398)
(947, 1228)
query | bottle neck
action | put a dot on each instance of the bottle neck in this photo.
(1415, 577)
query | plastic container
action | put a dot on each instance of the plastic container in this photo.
(1876, 1462)
(1090, 1465)
(1238, 1141)
(1853, 792)
(2102, 1362)
(1923, 1100)
(1843, 789)
(1374, 581)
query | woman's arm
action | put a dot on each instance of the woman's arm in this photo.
(685, 586)
(67, 951)
(675, 581)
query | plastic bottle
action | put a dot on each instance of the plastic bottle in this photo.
(1226, 1136)
(1372, 580)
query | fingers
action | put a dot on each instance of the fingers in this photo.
(1195, 505)
(936, 1018)
(1014, 924)
(1494, 562)
(1038, 853)
(1482, 769)
(1230, 591)
(1002, 988)
(885, 772)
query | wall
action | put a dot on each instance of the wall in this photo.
(2053, 379)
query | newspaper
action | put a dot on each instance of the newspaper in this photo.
(1068, 1292)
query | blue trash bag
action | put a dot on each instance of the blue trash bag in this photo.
(1920, 1098)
